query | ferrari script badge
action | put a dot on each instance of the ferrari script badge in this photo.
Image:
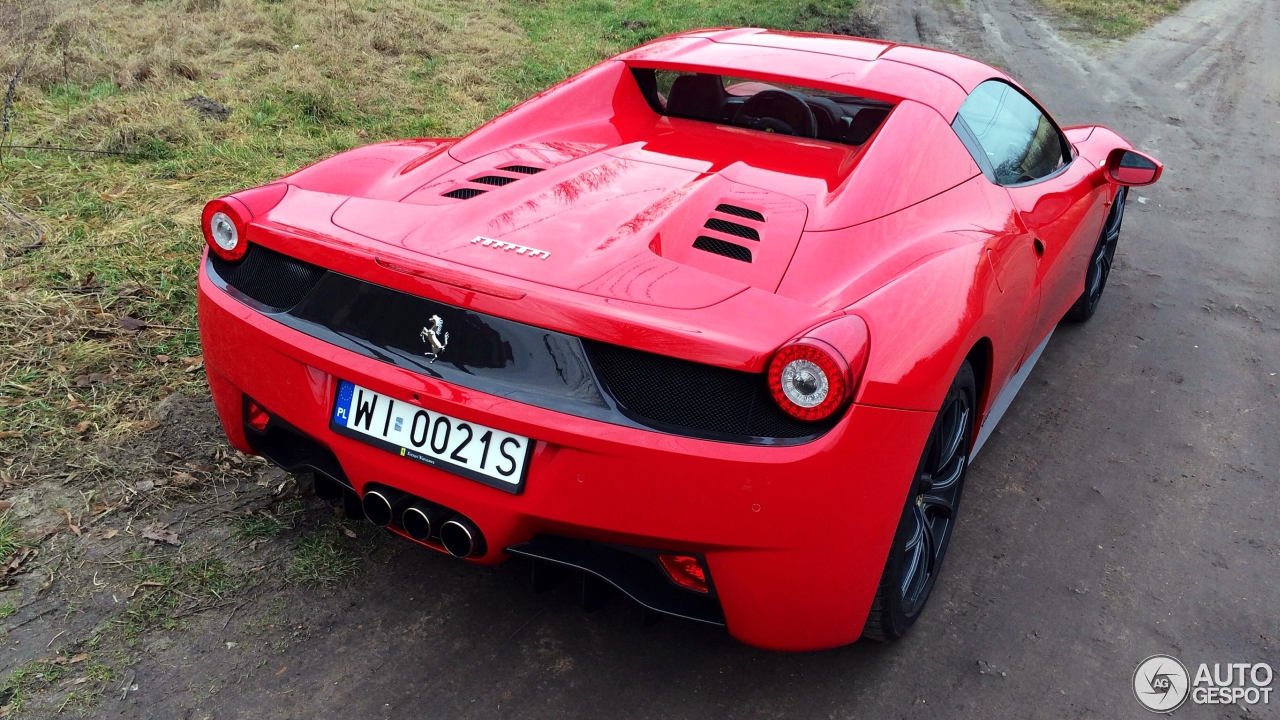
(435, 337)
(503, 245)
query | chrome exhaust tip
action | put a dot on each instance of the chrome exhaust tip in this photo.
(422, 518)
(462, 538)
(381, 505)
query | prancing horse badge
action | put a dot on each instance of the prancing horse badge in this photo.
(435, 337)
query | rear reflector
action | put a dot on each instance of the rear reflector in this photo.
(685, 571)
(257, 417)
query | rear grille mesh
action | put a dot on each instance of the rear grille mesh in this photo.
(464, 193)
(740, 212)
(720, 247)
(691, 398)
(497, 180)
(275, 280)
(522, 169)
(732, 228)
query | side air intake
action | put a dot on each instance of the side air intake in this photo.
(522, 169)
(463, 193)
(497, 180)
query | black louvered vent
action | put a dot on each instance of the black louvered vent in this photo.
(720, 247)
(522, 169)
(464, 193)
(732, 228)
(275, 280)
(735, 210)
(679, 395)
(497, 180)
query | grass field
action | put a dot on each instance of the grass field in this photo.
(99, 244)
(97, 322)
(1115, 18)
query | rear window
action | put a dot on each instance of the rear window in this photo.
(762, 105)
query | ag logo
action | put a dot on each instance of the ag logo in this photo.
(1161, 683)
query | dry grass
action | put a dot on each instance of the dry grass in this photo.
(302, 79)
(1115, 18)
(105, 425)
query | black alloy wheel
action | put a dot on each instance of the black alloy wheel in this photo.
(1100, 262)
(929, 517)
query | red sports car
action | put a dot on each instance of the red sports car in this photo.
(718, 323)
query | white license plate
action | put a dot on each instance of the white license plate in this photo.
(468, 449)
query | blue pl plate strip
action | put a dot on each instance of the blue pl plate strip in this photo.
(343, 404)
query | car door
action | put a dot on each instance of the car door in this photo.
(1056, 206)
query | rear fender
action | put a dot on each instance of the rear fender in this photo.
(924, 324)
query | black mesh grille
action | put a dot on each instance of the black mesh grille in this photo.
(275, 280)
(682, 396)
(720, 247)
(463, 193)
(522, 169)
(497, 180)
(732, 228)
(740, 212)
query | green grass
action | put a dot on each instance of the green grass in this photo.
(169, 590)
(121, 234)
(1115, 18)
(7, 609)
(8, 535)
(259, 527)
(323, 559)
(25, 681)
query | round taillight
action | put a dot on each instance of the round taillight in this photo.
(809, 380)
(223, 223)
(224, 232)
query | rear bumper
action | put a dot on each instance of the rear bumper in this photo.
(794, 537)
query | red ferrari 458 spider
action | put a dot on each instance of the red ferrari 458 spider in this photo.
(719, 323)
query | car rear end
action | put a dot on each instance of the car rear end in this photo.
(682, 484)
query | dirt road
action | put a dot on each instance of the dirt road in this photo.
(1126, 506)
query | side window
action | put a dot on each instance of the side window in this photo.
(1019, 142)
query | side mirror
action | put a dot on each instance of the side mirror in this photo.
(1132, 168)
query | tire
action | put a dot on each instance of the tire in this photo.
(1104, 254)
(929, 516)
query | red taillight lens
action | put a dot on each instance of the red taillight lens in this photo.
(224, 222)
(685, 571)
(808, 381)
(812, 377)
(256, 417)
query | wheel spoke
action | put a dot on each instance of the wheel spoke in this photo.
(918, 534)
(935, 502)
(915, 559)
(947, 476)
(953, 433)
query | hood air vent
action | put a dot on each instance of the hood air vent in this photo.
(732, 210)
(725, 248)
(466, 193)
(732, 228)
(720, 247)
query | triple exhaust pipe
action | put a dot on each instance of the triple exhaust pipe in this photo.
(423, 520)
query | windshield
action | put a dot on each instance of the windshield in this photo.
(762, 105)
